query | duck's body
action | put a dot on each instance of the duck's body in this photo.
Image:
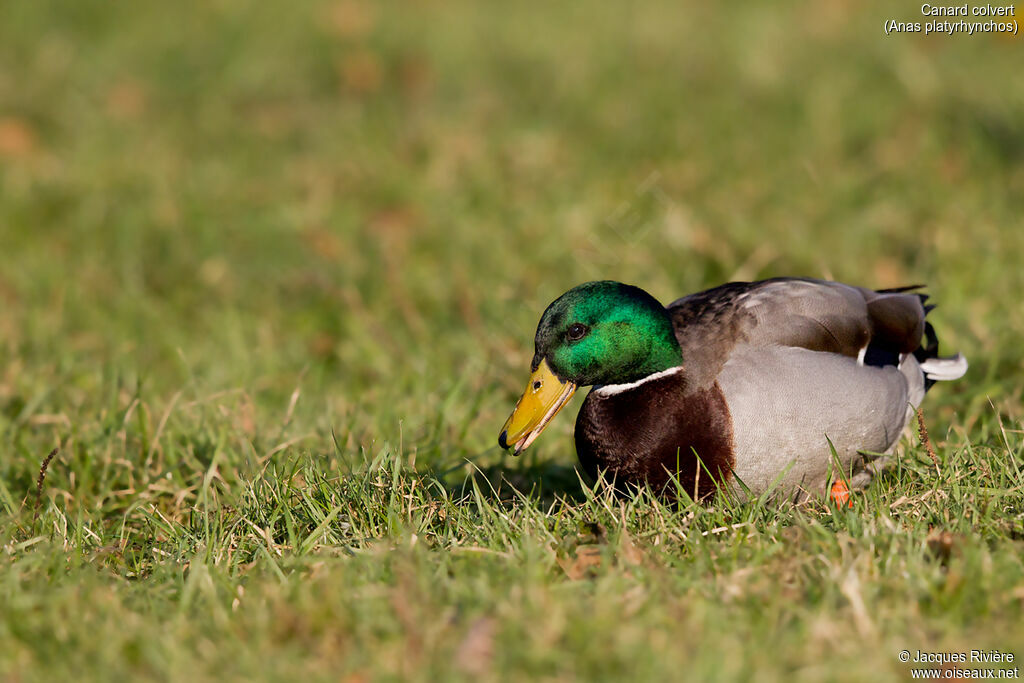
(747, 386)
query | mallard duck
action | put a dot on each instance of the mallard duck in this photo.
(747, 387)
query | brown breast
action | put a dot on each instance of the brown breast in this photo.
(655, 433)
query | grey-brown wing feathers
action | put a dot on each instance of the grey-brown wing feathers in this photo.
(811, 314)
(897, 319)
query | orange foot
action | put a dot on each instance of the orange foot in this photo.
(840, 494)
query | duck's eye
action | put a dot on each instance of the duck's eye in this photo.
(576, 331)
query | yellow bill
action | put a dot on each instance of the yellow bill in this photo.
(545, 395)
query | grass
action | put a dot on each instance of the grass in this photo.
(269, 281)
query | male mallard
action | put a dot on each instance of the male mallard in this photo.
(743, 386)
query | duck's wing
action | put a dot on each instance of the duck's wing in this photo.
(817, 315)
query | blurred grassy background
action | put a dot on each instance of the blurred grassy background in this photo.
(233, 232)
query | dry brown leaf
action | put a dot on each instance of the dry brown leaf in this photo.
(581, 564)
(17, 138)
(127, 100)
(351, 18)
(476, 650)
(942, 543)
(361, 72)
(629, 552)
(324, 243)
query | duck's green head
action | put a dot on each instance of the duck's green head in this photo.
(597, 333)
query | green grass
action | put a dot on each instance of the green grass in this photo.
(269, 276)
